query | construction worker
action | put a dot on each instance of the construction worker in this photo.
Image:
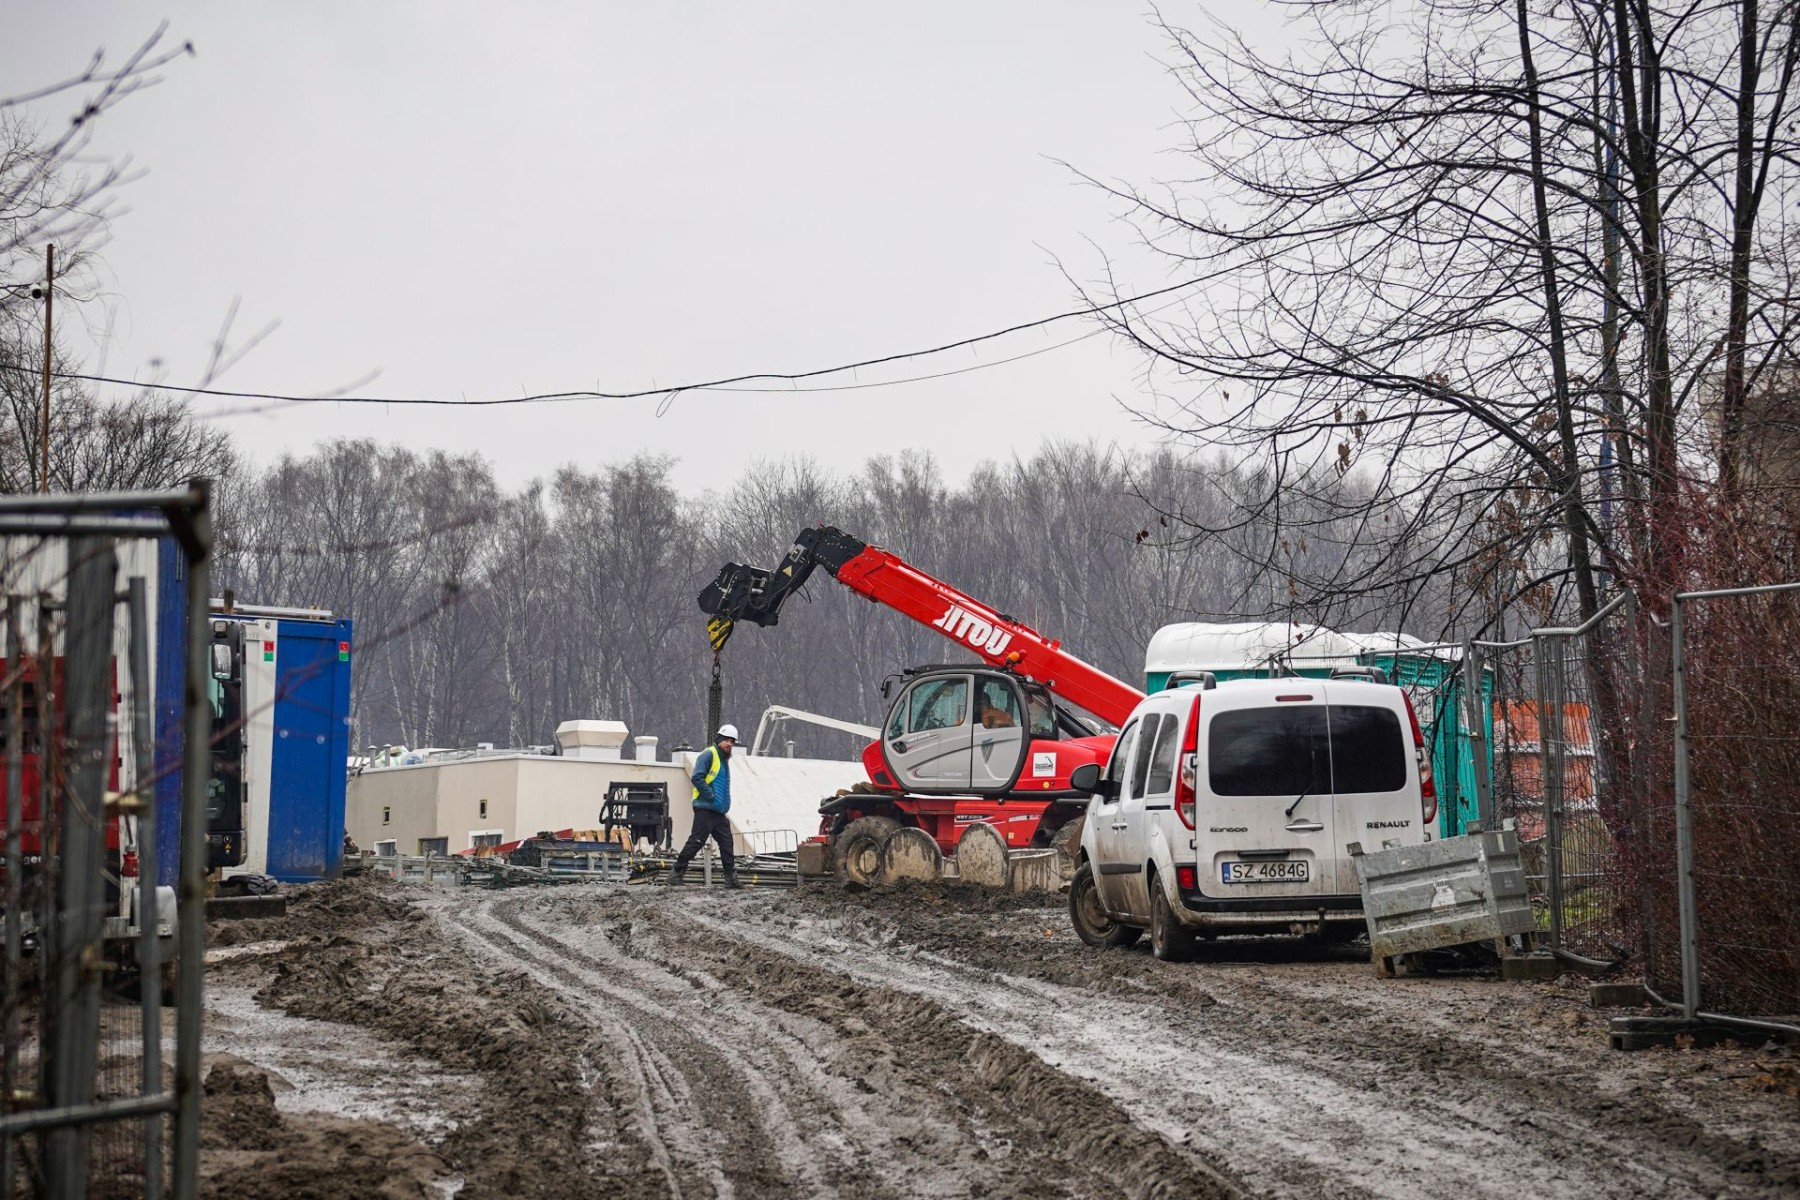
(712, 800)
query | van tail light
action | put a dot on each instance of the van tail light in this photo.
(128, 867)
(1427, 785)
(1187, 878)
(1187, 776)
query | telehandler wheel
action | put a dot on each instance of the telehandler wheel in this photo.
(1170, 940)
(909, 853)
(1092, 925)
(856, 851)
(1066, 841)
(982, 857)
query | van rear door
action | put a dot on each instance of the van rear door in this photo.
(1374, 777)
(1265, 823)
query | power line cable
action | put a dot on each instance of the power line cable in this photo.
(721, 384)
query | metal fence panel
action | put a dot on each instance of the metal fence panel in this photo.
(1736, 773)
(1559, 772)
(83, 1079)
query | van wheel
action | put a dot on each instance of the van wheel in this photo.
(856, 852)
(1092, 925)
(1170, 940)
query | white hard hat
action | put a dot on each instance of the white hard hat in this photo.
(728, 731)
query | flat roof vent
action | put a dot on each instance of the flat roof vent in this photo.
(592, 739)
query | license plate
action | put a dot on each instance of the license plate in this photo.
(1279, 870)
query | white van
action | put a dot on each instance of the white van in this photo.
(1230, 807)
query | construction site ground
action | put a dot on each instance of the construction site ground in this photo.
(608, 1040)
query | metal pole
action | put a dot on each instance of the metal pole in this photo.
(77, 962)
(1684, 826)
(143, 744)
(44, 417)
(191, 910)
(15, 858)
(1550, 692)
(50, 765)
(1476, 709)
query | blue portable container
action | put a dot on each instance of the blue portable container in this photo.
(169, 665)
(298, 799)
(310, 750)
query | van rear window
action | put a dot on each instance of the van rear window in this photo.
(1281, 751)
(1290, 751)
(1367, 751)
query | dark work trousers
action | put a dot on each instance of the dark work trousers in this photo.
(708, 823)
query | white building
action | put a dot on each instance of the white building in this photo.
(453, 802)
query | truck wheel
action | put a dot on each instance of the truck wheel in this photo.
(1169, 938)
(856, 852)
(1092, 925)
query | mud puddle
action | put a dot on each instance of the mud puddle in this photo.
(329, 1068)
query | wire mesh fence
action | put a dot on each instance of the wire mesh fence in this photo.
(88, 1103)
(1560, 772)
(1652, 770)
(1736, 811)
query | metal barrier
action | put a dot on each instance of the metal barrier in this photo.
(85, 1100)
(770, 843)
(1558, 769)
(1737, 802)
(768, 859)
(556, 866)
(1656, 790)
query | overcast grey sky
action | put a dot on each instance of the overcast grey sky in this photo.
(481, 199)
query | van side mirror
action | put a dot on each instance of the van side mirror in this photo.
(1086, 778)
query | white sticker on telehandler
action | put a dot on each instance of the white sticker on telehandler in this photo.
(1043, 764)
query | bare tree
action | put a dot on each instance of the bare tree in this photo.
(52, 190)
(1483, 260)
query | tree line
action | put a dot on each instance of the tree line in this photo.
(484, 614)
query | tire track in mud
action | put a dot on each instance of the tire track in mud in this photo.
(694, 1131)
(537, 1122)
(1291, 1115)
(837, 1117)
(869, 1074)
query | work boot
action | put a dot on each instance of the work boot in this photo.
(675, 877)
(731, 879)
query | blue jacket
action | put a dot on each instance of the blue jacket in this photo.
(717, 794)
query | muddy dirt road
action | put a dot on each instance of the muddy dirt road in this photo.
(627, 1041)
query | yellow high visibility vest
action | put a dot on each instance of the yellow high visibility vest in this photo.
(713, 773)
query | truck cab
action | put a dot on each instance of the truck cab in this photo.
(1230, 807)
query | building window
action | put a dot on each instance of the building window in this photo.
(386, 849)
(489, 837)
(483, 813)
(434, 845)
(387, 814)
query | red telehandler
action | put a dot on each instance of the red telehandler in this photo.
(962, 744)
